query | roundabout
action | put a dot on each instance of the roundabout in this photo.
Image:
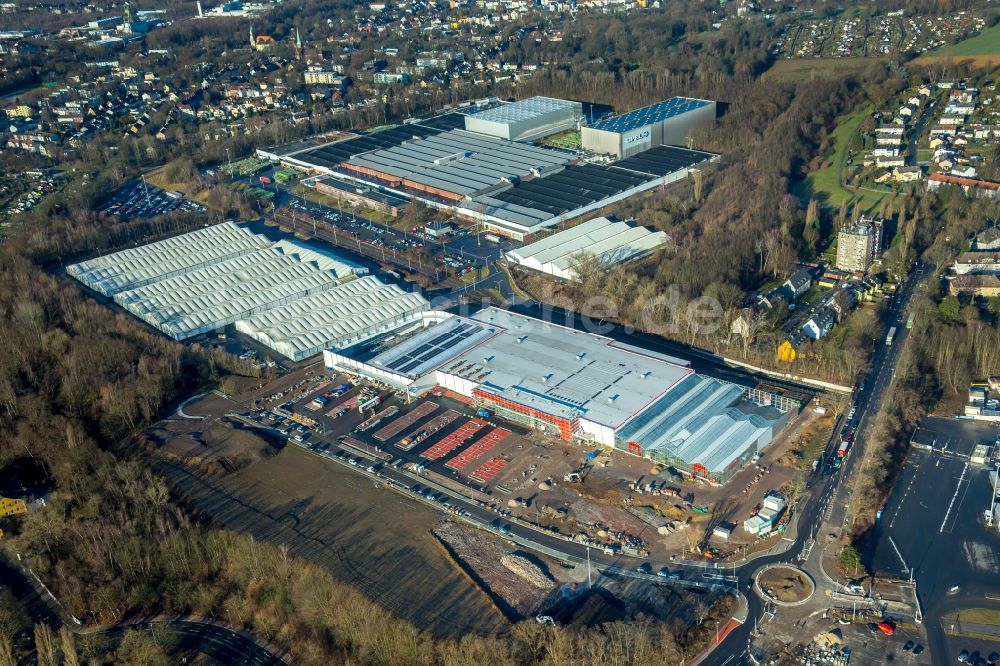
(784, 584)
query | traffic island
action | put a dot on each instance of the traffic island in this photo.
(785, 585)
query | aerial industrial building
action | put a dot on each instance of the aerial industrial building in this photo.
(454, 165)
(577, 386)
(527, 207)
(665, 123)
(476, 161)
(289, 296)
(608, 242)
(527, 120)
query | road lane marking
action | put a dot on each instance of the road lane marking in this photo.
(953, 497)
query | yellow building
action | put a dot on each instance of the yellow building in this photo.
(786, 352)
(19, 111)
(12, 507)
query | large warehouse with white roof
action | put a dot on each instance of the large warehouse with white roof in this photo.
(577, 386)
(291, 297)
(608, 242)
(478, 163)
(528, 119)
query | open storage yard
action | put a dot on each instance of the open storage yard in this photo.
(602, 497)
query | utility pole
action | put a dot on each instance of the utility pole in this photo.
(589, 582)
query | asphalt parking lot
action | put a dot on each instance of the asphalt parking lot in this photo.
(905, 646)
(933, 521)
(137, 199)
(933, 528)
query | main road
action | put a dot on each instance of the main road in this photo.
(827, 490)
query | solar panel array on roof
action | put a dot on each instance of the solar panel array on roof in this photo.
(648, 115)
(421, 353)
(444, 122)
(332, 154)
(662, 160)
(572, 187)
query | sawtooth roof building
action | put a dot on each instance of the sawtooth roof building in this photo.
(293, 298)
(576, 386)
(455, 165)
(607, 241)
(464, 161)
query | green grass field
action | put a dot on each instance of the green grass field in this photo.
(985, 43)
(568, 140)
(983, 50)
(825, 182)
(804, 69)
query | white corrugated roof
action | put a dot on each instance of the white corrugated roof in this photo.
(610, 242)
(343, 315)
(459, 161)
(204, 280)
(565, 372)
(211, 297)
(128, 269)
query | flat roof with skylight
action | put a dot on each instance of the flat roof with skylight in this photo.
(525, 109)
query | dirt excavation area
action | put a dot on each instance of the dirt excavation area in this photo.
(364, 534)
(518, 581)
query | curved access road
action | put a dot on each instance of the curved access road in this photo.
(214, 639)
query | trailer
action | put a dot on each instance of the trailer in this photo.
(888, 338)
